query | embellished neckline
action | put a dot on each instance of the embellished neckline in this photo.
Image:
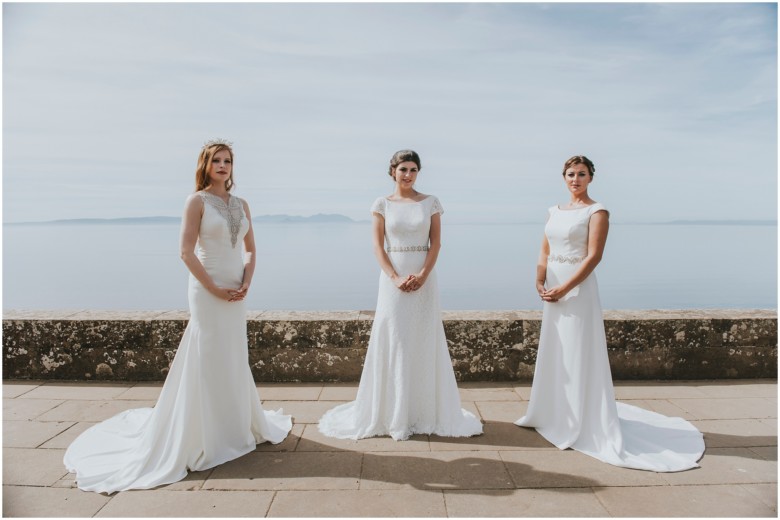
(232, 211)
(217, 197)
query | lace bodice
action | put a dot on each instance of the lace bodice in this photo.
(220, 239)
(567, 231)
(407, 224)
(232, 212)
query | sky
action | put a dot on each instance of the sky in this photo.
(106, 106)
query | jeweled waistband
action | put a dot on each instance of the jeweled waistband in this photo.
(405, 249)
(565, 259)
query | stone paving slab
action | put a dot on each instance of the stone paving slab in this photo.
(502, 411)
(12, 389)
(290, 391)
(23, 409)
(31, 434)
(727, 466)
(142, 392)
(290, 443)
(176, 504)
(288, 471)
(662, 406)
(308, 412)
(692, 501)
(496, 436)
(767, 493)
(73, 391)
(575, 502)
(434, 470)
(78, 410)
(765, 452)
(375, 503)
(730, 433)
(26, 501)
(569, 468)
(729, 408)
(313, 440)
(507, 471)
(762, 388)
(31, 467)
(487, 392)
(63, 440)
(339, 392)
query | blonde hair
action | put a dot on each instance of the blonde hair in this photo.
(202, 180)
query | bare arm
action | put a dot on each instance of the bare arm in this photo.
(378, 236)
(597, 239)
(190, 226)
(249, 255)
(433, 252)
(541, 266)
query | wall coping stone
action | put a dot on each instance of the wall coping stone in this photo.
(346, 315)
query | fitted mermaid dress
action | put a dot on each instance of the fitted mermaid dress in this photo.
(572, 399)
(408, 384)
(208, 411)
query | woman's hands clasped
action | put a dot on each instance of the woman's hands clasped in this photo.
(553, 294)
(231, 295)
(411, 283)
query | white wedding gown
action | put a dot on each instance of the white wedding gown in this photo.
(572, 398)
(208, 411)
(408, 383)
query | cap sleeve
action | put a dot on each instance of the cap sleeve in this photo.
(379, 206)
(597, 207)
(436, 206)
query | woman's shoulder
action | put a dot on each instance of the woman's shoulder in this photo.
(596, 207)
(195, 198)
(378, 206)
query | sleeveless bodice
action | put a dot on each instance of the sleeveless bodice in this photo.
(222, 230)
(407, 224)
(567, 231)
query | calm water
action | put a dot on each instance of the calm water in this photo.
(332, 267)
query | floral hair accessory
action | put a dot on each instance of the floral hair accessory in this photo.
(214, 142)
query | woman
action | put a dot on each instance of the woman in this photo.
(572, 399)
(408, 384)
(208, 411)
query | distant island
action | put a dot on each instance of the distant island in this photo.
(335, 218)
(722, 223)
(330, 218)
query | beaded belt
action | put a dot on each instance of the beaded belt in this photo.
(405, 249)
(565, 259)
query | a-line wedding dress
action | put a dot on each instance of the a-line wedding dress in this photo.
(572, 399)
(408, 384)
(208, 411)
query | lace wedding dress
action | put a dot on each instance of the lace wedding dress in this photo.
(208, 411)
(572, 398)
(408, 384)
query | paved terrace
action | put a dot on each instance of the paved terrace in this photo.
(508, 471)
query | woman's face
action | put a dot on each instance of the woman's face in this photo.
(577, 177)
(221, 167)
(405, 174)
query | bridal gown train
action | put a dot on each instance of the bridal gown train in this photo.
(408, 383)
(572, 398)
(208, 411)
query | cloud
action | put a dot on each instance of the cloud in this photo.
(318, 96)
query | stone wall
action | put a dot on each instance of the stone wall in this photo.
(331, 346)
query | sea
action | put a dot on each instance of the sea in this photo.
(331, 266)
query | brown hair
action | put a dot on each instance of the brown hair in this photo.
(202, 180)
(404, 156)
(579, 159)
